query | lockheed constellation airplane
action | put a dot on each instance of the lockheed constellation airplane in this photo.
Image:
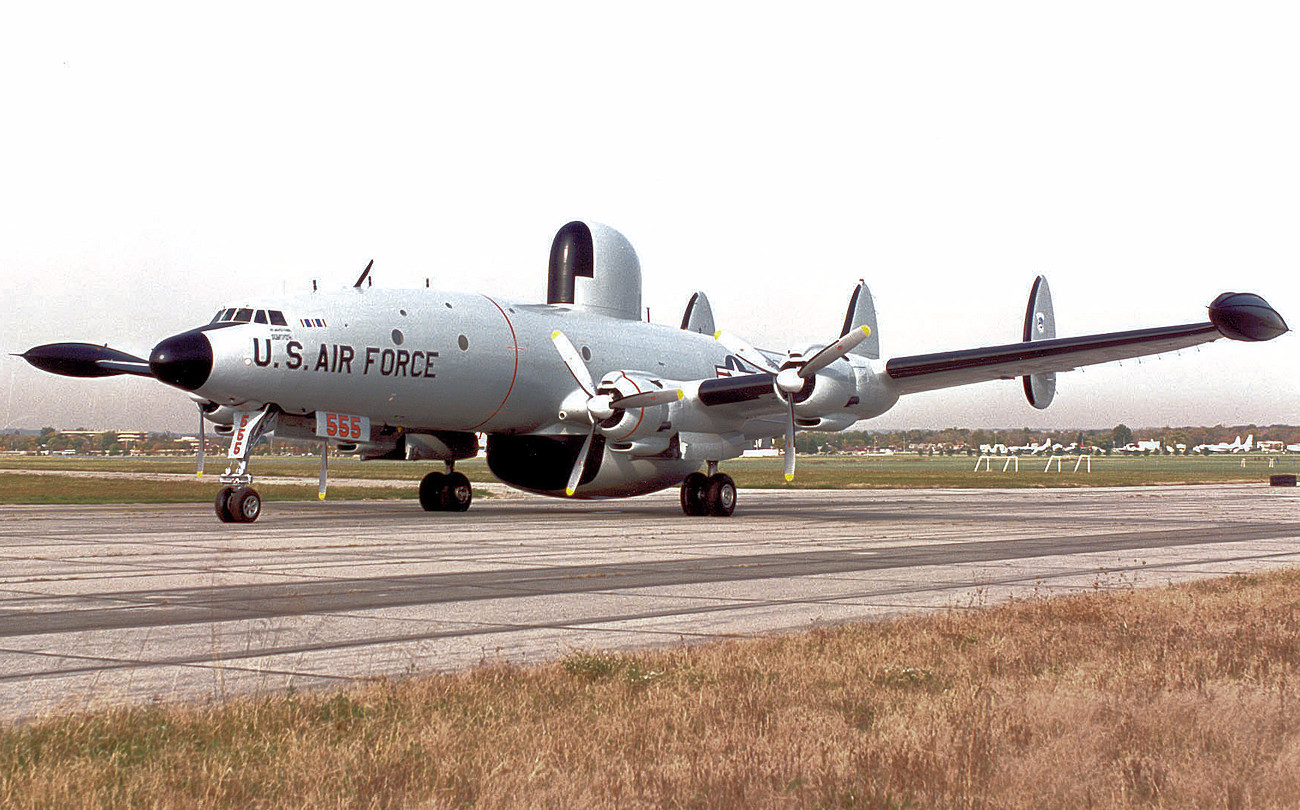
(578, 397)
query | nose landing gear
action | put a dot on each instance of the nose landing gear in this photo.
(238, 502)
(238, 505)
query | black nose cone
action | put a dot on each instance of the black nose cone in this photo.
(183, 360)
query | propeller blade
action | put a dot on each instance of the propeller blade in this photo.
(834, 351)
(203, 439)
(575, 477)
(574, 361)
(744, 351)
(648, 399)
(789, 443)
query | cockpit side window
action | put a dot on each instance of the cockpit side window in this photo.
(217, 317)
(228, 315)
(260, 317)
(277, 318)
(244, 316)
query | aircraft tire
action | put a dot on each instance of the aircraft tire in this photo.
(456, 493)
(245, 505)
(431, 491)
(720, 496)
(222, 505)
(693, 490)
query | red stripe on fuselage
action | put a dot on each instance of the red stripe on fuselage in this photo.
(514, 344)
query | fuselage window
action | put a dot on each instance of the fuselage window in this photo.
(244, 316)
(260, 317)
(277, 317)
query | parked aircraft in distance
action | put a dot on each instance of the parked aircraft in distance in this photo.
(1031, 449)
(577, 396)
(1236, 446)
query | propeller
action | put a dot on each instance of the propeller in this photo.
(795, 373)
(601, 404)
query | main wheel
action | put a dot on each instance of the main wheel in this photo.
(222, 505)
(245, 505)
(720, 496)
(456, 493)
(431, 491)
(693, 495)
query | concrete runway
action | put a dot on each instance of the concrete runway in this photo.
(106, 604)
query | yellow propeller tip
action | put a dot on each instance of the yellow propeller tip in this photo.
(717, 335)
(320, 495)
(569, 492)
(198, 475)
(680, 395)
(789, 478)
(555, 334)
(866, 331)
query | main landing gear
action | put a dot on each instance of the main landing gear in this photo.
(445, 492)
(713, 494)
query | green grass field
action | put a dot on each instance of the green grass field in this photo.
(19, 485)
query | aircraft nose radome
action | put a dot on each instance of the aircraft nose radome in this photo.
(183, 360)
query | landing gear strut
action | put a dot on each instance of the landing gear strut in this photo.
(445, 492)
(238, 502)
(708, 495)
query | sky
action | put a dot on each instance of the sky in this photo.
(160, 160)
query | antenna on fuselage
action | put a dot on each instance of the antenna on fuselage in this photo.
(364, 273)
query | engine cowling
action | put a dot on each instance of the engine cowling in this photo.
(634, 423)
(825, 397)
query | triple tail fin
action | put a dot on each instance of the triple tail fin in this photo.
(862, 312)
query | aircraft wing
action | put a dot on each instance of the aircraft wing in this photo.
(1239, 316)
(927, 372)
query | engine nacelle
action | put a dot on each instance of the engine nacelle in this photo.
(634, 423)
(825, 395)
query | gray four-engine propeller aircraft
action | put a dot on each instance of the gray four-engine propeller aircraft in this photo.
(578, 397)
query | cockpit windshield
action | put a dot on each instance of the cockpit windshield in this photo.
(274, 317)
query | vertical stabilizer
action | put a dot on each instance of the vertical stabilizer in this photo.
(698, 316)
(862, 312)
(1040, 324)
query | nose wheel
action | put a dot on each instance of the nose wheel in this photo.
(238, 505)
(708, 495)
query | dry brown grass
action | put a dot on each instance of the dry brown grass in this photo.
(1169, 698)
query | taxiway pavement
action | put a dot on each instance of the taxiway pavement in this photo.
(108, 604)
